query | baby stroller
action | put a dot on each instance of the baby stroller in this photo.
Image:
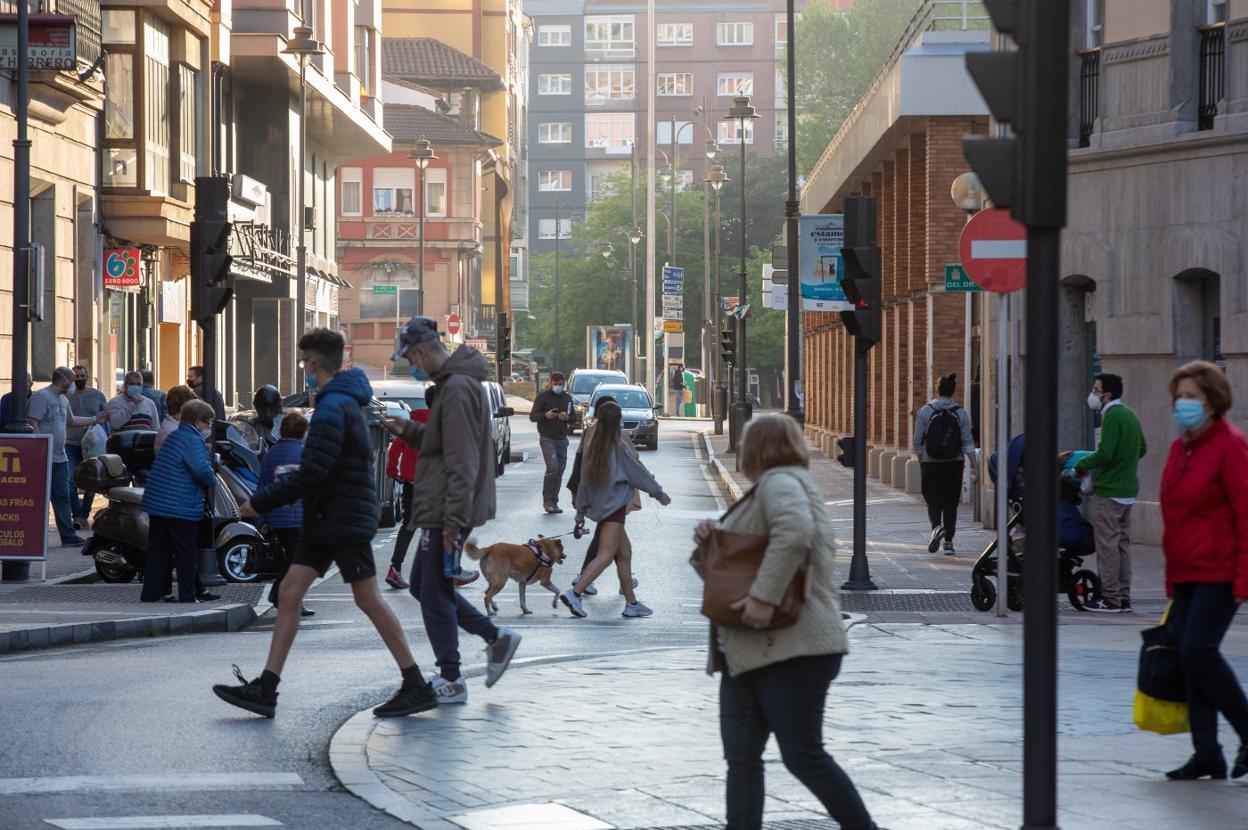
(1078, 583)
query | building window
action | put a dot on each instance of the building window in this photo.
(734, 83)
(121, 154)
(352, 179)
(188, 133)
(782, 129)
(782, 30)
(1215, 11)
(609, 130)
(728, 131)
(675, 34)
(609, 33)
(435, 191)
(782, 88)
(598, 182)
(1096, 24)
(675, 83)
(363, 58)
(663, 132)
(554, 132)
(554, 180)
(734, 34)
(156, 105)
(554, 84)
(546, 228)
(613, 82)
(392, 191)
(554, 35)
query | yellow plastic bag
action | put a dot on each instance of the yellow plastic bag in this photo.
(1165, 717)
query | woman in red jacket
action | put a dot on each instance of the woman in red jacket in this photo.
(401, 467)
(1204, 505)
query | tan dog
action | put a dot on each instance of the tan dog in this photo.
(503, 560)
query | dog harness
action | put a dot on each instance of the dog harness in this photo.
(543, 561)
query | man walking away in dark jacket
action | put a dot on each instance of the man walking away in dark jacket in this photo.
(943, 442)
(153, 394)
(551, 412)
(195, 380)
(335, 482)
(454, 493)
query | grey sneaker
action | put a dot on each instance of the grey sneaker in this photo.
(570, 599)
(636, 609)
(933, 544)
(449, 691)
(499, 654)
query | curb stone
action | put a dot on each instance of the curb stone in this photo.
(725, 476)
(233, 617)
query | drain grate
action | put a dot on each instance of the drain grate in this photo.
(867, 601)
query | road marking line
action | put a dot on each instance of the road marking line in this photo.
(151, 781)
(148, 822)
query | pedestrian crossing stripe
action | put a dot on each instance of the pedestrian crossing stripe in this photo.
(161, 822)
(187, 781)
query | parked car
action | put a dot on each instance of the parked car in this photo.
(581, 387)
(410, 393)
(500, 425)
(640, 421)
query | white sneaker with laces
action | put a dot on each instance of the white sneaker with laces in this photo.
(449, 691)
(499, 654)
(570, 599)
(636, 609)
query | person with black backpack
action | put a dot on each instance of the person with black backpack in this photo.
(942, 441)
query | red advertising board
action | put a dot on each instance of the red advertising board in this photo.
(25, 486)
(121, 267)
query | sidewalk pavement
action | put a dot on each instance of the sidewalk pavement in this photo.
(925, 719)
(917, 586)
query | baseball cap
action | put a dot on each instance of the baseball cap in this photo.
(415, 331)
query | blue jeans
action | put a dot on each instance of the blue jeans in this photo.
(444, 609)
(785, 699)
(1199, 618)
(81, 506)
(60, 501)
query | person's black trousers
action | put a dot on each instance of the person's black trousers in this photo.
(171, 543)
(942, 488)
(785, 699)
(1199, 618)
(403, 540)
(444, 610)
(288, 538)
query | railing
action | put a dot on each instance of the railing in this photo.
(1212, 72)
(1089, 93)
(87, 13)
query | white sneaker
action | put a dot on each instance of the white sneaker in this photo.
(590, 590)
(499, 654)
(636, 609)
(570, 599)
(449, 691)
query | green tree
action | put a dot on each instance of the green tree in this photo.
(838, 55)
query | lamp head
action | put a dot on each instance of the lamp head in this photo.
(742, 109)
(302, 44)
(634, 236)
(716, 177)
(967, 192)
(423, 153)
(712, 149)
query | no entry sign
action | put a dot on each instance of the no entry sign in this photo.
(993, 250)
(453, 324)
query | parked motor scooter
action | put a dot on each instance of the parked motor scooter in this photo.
(120, 530)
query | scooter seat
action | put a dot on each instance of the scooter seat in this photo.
(127, 495)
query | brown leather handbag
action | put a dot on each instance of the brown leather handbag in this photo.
(729, 564)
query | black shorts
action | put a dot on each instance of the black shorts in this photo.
(354, 559)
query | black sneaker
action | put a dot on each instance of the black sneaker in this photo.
(1241, 762)
(1197, 768)
(205, 596)
(413, 697)
(949, 548)
(251, 695)
(1102, 606)
(934, 544)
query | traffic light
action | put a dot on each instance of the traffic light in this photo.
(1026, 172)
(503, 348)
(861, 280)
(210, 246)
(728, 346)
(846, 446)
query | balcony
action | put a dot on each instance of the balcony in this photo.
(1212, 73)
(87, 25)
(1089, 94)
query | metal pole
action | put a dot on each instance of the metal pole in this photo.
(648, 324)
(1003, 443)
(708, 350)
(420, 269)
(301, 251)
(743, 413)
(859, 569)
(719, 327)
(558, 341)
(671, 200)
(21, 234)
(499, 314)
(793, 308)
(632, 268)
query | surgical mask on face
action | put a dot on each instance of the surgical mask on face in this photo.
(134, 391)
(310, 381)
(558, 390)
(81, 383)
(1094, 402)
(418, 372)
(1189, 414)
(205, 432)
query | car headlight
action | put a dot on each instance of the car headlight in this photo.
(650, 422)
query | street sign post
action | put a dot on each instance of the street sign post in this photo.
(453, 324)
(390, 290)
(385, 289)
(956, 280)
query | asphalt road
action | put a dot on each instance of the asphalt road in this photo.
(132, 729)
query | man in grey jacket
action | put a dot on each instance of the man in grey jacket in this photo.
(453, 493)
(943, 442)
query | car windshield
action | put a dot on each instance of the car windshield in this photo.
(627, 398)
(584, 384)
(413, 403)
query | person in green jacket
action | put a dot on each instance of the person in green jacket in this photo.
(1115, 484)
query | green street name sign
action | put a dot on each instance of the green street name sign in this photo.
(394, 289)
(956, 280)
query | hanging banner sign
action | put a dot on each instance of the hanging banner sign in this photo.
(121, 267)
(820, 264)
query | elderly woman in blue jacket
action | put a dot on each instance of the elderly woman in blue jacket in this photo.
(174, 501)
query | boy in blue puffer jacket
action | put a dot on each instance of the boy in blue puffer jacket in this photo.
(174, 501)
(285, 522)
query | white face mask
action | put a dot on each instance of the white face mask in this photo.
(205, 432)
(1094, 402)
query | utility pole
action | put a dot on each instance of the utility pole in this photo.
(558, 341)
(647, 338)
(792, 207)
(632, 268)
(21, 236)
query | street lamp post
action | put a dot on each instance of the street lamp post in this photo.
(742, 112)
(634, 237)
(558, 341)
(422, 155)
(715, 178)
(303, 46)
(792, 207)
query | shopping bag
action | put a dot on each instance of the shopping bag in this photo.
(1161, 693)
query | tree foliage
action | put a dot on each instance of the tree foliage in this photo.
(838, 55)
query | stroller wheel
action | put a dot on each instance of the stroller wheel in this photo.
(983, 594)
(1085, 586)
